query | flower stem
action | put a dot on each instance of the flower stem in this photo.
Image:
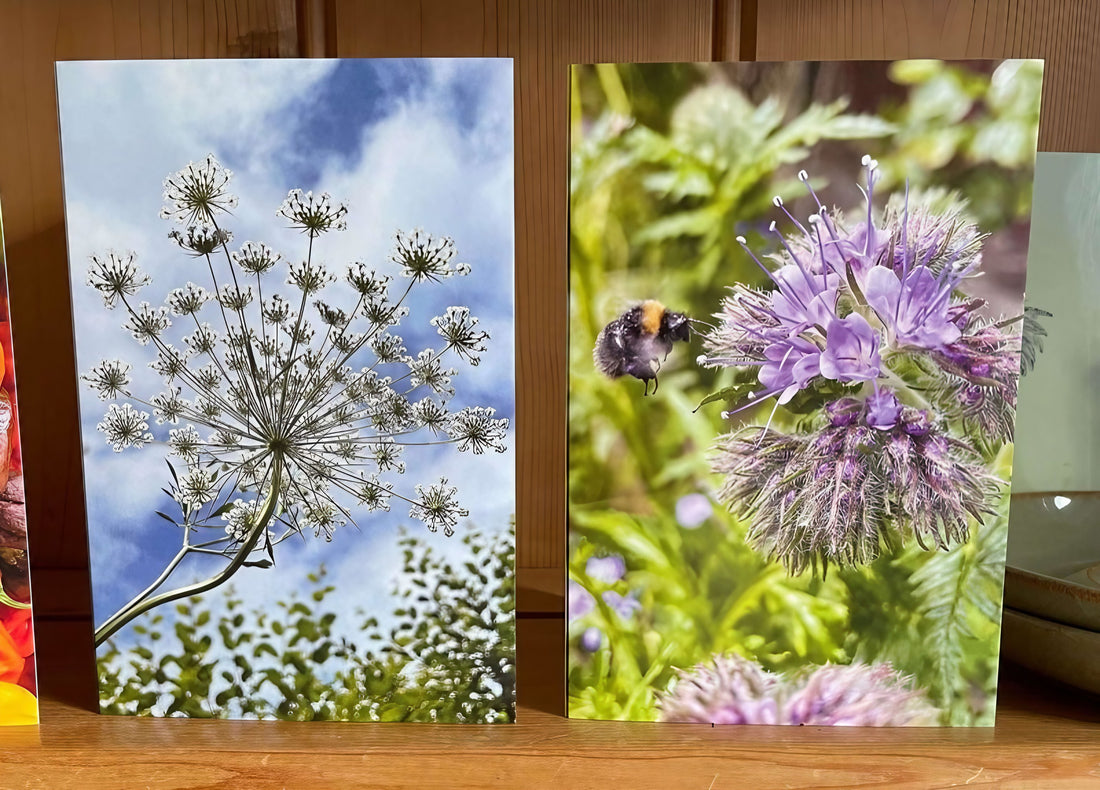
(142, 603)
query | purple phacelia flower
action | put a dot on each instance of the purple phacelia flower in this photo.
(727, 690)
(858, 695)
(914, 306)
(869, 328)
(844, 299)
(606, 570)
(730, 689)
(851, 350)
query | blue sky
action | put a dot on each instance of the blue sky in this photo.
(406, 144)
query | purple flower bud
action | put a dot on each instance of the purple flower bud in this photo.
(883, 410)
(843, 411)
(971, 395)
(606, 570)
(916, 422)
(591, 639)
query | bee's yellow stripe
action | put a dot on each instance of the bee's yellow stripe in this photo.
(652, 313)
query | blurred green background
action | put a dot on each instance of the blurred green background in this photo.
(670, 162)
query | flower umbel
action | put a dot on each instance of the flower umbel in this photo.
(198, 192)
(424, 257)
(313, 214)
(116, 277)
(289, 412)
(125, 427)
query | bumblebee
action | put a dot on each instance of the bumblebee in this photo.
(638, 341)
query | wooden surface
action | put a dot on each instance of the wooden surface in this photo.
(543, 36)
(1047, 736)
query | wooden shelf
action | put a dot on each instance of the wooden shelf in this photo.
(1047, 736)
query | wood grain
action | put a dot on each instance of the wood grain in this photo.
(1066, 33)
(33, 35)
(1047, 736)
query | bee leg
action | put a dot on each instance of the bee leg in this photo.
(656, 383)
(646, 381)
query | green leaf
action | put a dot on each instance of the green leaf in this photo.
(732, 394)
(857, 127)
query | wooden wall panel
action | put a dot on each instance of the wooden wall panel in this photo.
(1066, 33)
(34, 34)
(544, 37)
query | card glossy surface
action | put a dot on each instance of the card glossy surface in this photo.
(293, 304)
(795, 307)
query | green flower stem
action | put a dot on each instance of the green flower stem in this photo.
(905, 393)
(7, 600)
(142, 603)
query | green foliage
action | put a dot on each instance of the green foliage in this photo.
(676, 194)
(450, 656)
(702, 591)
(668, 165)
(970, 131)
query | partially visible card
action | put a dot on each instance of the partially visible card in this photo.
(18, 703)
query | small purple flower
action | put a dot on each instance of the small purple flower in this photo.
(801, 299)
(692, 510)
(915, 309)
(591, 639)
(883, 410)
(851, 350)
(606, 570)
(581, 601)
(623, 605)
(844, 411)
(791, 364)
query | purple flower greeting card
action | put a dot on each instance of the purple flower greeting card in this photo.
(796, 307)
